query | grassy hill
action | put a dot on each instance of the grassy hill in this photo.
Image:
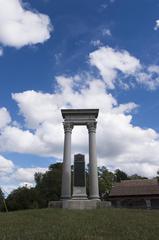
(100, 224)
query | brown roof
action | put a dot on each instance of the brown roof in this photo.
(135, 187)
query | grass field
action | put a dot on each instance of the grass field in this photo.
(108, 224)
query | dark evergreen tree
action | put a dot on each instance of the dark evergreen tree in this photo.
(120, 175)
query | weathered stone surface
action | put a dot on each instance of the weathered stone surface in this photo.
(80, 204)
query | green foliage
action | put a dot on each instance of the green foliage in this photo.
(1, 200)
(1, 195)
(135, 176)
(120, 175)
(106, 179)
(22, 198)
(48, 185)
(99, 224)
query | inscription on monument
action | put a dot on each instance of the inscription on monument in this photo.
(79, 170)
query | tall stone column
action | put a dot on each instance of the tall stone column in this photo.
(66, 171)
(93, 174)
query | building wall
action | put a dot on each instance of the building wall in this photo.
(141, 203)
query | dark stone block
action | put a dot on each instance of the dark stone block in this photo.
(79, 170)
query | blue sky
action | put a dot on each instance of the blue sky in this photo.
(82, 54)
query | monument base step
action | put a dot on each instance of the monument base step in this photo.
(79, 204)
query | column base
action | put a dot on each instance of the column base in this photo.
(95, 197)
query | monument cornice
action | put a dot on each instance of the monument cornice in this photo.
(79, 112)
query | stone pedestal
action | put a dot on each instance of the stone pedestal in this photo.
(79, 193)
(80, 204)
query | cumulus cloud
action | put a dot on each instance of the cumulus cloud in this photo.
(6, 166)
(20, 27)
(5, 118)
(11, 176)
(120, 68)
(110, 61)
(119, 143)
(26, 175)
(1, 51)
(156, 25)
(149, 77)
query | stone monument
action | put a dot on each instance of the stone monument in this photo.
(79, 199)
(72, 118)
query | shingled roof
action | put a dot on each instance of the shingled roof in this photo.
(135, 187)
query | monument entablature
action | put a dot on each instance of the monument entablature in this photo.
(79, 116)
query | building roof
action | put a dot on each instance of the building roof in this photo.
(135, 187)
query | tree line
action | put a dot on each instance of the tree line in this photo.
(48, 188)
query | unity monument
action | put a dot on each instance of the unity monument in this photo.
(72, 118)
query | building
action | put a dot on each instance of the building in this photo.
(143, 193)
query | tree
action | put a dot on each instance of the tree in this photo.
(136, 176)
(120, 175)
(48, 185)
(22, 198)
(1, 199)
(106, 179)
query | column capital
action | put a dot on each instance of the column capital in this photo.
(91, 126)
(68, 126)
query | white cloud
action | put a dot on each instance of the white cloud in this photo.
(106, 32)
(1, 51)
(119, 68)
(42, 107)
(13, 139)
(26, 175)
(20, 27)
(12, 176)
(96, 43)
(119, 143)
(6, 166)
(153, 69)
(110, 61)
(156, 25)
(149, 77)
(5, 118)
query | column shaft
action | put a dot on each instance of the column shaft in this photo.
(66, 171)
(93, 174)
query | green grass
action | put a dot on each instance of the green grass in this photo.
(100, 224)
